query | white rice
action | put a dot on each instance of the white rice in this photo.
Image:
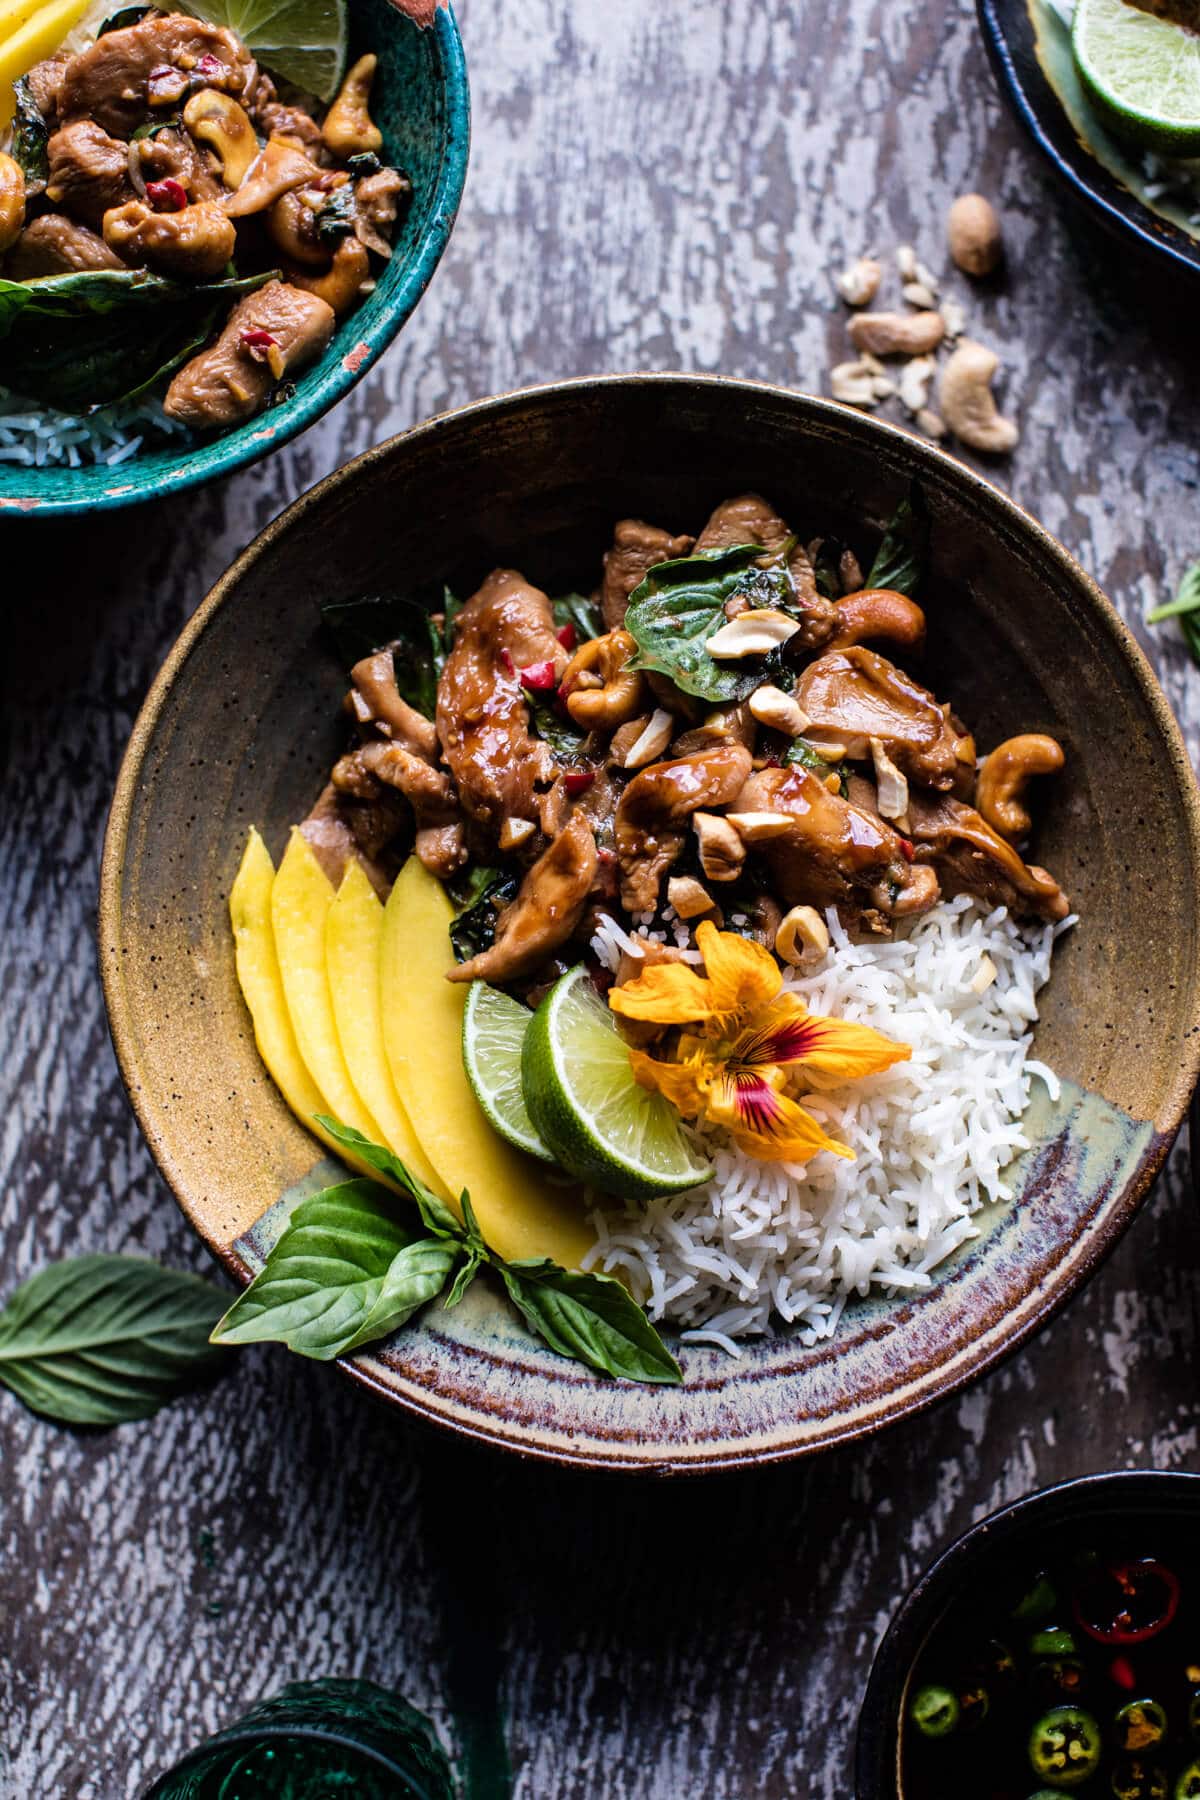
(931, 1136)
(40, 437)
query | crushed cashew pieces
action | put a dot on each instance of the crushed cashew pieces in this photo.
(740, 1041)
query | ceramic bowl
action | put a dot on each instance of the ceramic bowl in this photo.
(243, 722)
(1143, 1499)
(422, 105)
(1030, 51)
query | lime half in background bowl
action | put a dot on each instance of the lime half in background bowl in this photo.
(421, 102)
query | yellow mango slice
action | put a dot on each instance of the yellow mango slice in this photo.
(521, 1213)
(14, 13)
(35, 39)
(301, 897)
(262, 989)
(353, 933)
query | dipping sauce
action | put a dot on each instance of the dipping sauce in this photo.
(1075, 1670)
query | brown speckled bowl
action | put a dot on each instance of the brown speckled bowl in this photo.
(243, 722)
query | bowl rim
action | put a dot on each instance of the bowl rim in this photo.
(1115, 206)
(921, 1607)
(426, 1404)
(337, 374)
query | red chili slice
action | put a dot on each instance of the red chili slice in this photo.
(567, 636)
(209, 67)
(1127, 1603)
(539, 677)
(168, 195)
(577, 781)
(1121, 1670)
(906, 850)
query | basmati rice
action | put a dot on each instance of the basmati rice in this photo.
(36, 436)
(932, 1138)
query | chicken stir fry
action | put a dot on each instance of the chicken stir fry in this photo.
(719, 733)
(168, 150)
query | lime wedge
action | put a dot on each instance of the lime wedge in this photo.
(1141, 72)
(304, 41)
(493, 1034)
(586, 1105)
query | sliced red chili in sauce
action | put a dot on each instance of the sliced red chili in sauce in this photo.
(1127, 1603)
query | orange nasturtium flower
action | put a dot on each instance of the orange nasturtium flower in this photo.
(740, 1036)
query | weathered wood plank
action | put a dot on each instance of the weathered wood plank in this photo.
(666, 186)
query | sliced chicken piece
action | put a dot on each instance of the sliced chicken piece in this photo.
(654, 814)
(823, 851)
(89, 172)
(376, 205)
(377, 700)
(173, 155)
(854, 695)
(548, 906)
(502, 771)
(440, 842)
(228, 382)
(276, 170)
(45, 79)
(971, 858)
(194, 244)
(109, 82)
(749, 519)
(636, 547)
(54, 245)
(335, 845)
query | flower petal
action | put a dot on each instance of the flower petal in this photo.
(742, 974)
(779, 1033)
(763, 1123)
(665, 994)
(684, 1084)
(837, 1051)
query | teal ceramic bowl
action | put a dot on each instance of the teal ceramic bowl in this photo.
(421, 103)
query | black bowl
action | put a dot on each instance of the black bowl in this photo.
(1126, 1493)
(1011, 37)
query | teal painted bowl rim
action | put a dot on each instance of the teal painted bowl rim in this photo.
(339, 370)
(474, 1371)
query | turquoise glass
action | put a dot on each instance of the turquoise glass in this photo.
(421, 103)
(317, 1740)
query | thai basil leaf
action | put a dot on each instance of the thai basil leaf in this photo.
(466, 888)
(827, 572)
(345, 1272)
(1186, 608)
(681, 603)
(901, 557)
(152, 127)
(801, 753)
(437, 1215)
(467, 1271)
(365, 163)
(583, 614)
(591, 1318)
(128, 15)
(336, 218)
(451, 607)
(562, 734)
(30, 136)
(361, 627)
(97, 1340)
(98, 336)
(474, 930)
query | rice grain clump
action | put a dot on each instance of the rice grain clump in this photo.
(931, 1136)
(41, 437)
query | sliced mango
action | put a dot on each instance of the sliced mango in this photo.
(262, 989)
(353, 931)
(301, 897)
(13, 14)
(521, 1213)
(34, 39)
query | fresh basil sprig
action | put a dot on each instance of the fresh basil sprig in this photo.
(583, 614)
(98, 1340)
(900, 560)
(1186, 608)
(346, 1272)
(679, 606)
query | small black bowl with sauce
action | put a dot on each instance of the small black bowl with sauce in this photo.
(1054, 1649)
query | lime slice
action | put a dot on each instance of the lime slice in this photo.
(494, 1029)
(1142, 73)
(586, 1105)
(302, 40)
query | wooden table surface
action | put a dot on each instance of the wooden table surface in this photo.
(666, 185)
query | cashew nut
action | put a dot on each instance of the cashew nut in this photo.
(12, 201)
(652, 742)
(752, 633)
(853, 384)
(1005, 776)
(722, 851)
(278, 166)
(780, 711)
(514, 832)
(690, 898)
(919, 893)
(973, 233)
(760, 827)
(967, 403)
(348, 130)
(891, 787)
(876, 614)
(913, 385)
(802, 938)
(910, 268)
(342, 285)
(859, 284)
(194, 243)
(216, 119)
(292, 227)
(597, 688)
(897, 334)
